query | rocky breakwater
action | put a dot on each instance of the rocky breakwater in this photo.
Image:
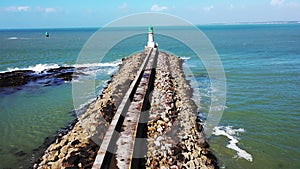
(175, 136)
(79, 146)
(47, 77)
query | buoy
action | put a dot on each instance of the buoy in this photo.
(47, 34)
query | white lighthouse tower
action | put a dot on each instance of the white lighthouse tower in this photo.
(150, 43)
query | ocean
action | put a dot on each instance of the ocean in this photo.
(260, 126)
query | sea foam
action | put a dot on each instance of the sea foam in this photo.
(15, 38)
(38, 68)
(185, 58)
(105, 64)
(12, 38)
(232, 134)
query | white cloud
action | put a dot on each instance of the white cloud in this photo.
(276, 2)
(123, 6)
(49, 10)
(17, 8)
(23, 8)
(157, 8)
(46, 10)
(293, 4)
(208, 8)
(283, 3)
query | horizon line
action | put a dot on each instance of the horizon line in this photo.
(206, 24)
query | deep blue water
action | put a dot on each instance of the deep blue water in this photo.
(262, 66)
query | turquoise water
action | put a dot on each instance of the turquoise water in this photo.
(262, 112)
(262, 68)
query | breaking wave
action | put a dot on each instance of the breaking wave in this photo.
(15, 38)
(231, 134)
(38, 68)
(105, 64)
(185, 58)
(12, 38)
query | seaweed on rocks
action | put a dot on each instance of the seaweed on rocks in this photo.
(15, 80)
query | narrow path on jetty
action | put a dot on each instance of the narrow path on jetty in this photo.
(162, 134)
(144, 118)
(126, 118)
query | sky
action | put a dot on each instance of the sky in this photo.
(97, 13)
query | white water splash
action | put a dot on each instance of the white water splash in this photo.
(15, 38)
(106, 64)
(185, 58)
(12, 38)
(37, 68)
(231, 134)
(42, 67)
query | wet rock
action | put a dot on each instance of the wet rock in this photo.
(180, 157)
(75, 142)
(19, 78)
(66, 76)
(176, 150)
(204, 145)
(20, 153)
(15, 78)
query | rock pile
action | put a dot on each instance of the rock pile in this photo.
(78, 148)
(48, 77)
(175, 139)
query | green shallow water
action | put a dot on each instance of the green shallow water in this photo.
(28, 117)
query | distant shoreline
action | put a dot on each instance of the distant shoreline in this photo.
(197, 25)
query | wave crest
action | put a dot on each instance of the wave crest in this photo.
(12, 38)
(185, 58)
(105, 64)
(38, 68)
(232, 134)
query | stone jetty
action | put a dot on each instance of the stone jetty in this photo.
(78, 148)
(175, 136)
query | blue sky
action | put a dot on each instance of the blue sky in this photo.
(96, 13)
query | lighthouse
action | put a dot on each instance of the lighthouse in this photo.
(151, 43)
